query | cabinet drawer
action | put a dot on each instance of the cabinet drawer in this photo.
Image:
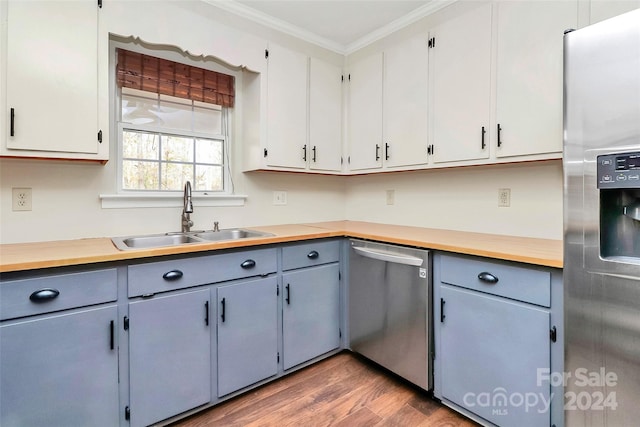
(183, 273)
(527, 284)
(26, 297)
(309, 254)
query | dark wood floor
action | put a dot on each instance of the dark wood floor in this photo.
(340, 391)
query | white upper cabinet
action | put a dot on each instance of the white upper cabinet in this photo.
(324, 151)
(365, 113)
(52, 80)
(460, 74)
(287, 73)
(296, 123)
(529, 75)
(406, 95)
(605, 9)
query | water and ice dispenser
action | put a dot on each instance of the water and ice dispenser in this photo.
(619, 186)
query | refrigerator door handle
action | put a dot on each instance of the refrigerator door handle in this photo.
(389, 256)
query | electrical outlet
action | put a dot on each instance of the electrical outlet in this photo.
(391, 197)
(21, 199)
(280, 198)
(504, 197)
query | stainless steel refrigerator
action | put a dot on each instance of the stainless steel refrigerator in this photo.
(602, 224)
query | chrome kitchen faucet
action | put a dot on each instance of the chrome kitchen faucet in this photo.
(187, 208)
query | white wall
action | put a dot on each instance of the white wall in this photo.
(66, 203)
(465, 199)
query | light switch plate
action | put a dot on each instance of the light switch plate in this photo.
(280, 198)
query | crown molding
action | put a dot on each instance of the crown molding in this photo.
(269, 21)
(276, 24)
(408, 19)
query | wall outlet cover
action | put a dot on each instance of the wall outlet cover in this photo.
(391, 197)
(504, 197)
(21, 199)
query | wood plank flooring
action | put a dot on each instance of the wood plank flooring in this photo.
(342, 391)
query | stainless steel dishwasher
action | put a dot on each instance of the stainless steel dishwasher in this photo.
(390, 308)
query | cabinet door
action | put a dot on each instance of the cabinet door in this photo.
(406, 68)
(460, 74)
(529, 75)
(60, 370)
(286, 107)
(325, 116)
(310, 313)
(601, 10)
(169, 356)
(365, 113)
(52, 75)
(491, 350)
(247, 333)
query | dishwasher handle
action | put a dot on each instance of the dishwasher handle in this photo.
(389, 256)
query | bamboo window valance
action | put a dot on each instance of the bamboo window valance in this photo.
(151, 74)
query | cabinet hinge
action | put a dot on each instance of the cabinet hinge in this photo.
(266, 54)
(127, 413)
(278, 357)
(126, 323)
(349, 76)
(100, 136)
(99, 4)
(342, 78)
(553, 334)
(340, 332)
(339, 275)
(265, 152)
(432, 42)
(349, 160)
(277, 290)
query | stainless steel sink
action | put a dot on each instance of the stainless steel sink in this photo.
(179, 239)
(230, 234)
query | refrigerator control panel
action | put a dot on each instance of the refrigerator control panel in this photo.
(619, 171)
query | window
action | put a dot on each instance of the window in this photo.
(173, 122)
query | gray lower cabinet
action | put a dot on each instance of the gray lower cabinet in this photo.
(493, 341)
(247, 322)
(169, 355)
(310, 313)
(60, 369)
(492, 349)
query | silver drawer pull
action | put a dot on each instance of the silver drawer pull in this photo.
(172, 275)
(44, 295)
(248, 264)
(488, 278)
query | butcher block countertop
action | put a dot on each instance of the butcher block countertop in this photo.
(544, 252)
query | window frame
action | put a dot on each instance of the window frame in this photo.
(125, 198)
(226, 173)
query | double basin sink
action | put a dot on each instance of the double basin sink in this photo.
(179, 239)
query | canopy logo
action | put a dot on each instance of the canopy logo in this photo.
(500, 400)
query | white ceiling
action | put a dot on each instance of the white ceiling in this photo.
(340, 25)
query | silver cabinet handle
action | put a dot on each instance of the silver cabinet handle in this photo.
(44, 295)
(488, 278)
(389, 256)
